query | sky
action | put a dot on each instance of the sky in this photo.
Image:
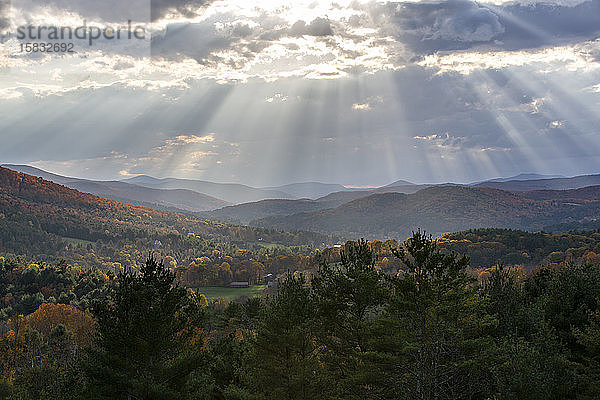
(265, 93)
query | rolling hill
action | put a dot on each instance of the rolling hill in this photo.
(166, 199)
(575, 182)
(247, 212)
(233, 193)
(50, 221)
(309, 190)
(441, 209)
(524, 177)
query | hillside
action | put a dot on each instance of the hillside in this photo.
(308, 190)
(575, 182)
(524, 177)
(165, 199)
(438, 209)
(586, 194)
(50, 221)
(230, 192)
(247, 212)
(487, 247)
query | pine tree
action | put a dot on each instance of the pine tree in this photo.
(141, 350)
(285, 363)
(435, 332)
(349, 298)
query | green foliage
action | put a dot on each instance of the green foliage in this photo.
(349, 298)
(285, 359)
(429, 330)
(25, 286)
(438, 330)
(141, 349)
(486, 247)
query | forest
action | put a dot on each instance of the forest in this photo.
(432, 329)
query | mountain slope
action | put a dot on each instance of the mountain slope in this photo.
(575, 182)
(524, 177)
(400, 182)
(247, 212)
(309, 190)
(438, 209)
(176, 200)
(230, 192)
(586, 194)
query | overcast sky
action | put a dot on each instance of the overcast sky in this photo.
(264, 93)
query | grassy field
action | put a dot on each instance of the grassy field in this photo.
(215, 292)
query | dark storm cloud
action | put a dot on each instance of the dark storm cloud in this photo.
(547, 25)
(201, 40)
(195, 41)
(458, 24)
(427, 27)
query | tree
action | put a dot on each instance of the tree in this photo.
(285, 363)
(436, 334)
(141, 350)
(349, 297)
(589, 338)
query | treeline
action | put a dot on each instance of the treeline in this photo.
(486, 247)
(26, 286)
(345, 331)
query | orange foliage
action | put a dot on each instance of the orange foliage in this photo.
(49, 315)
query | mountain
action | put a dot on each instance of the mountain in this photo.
(33, 171)
(400, 182)
(49, 221)
(581, 195)
(175, 200)
(524, 177)
(230, 192)
(575, 182)
(440, 209)
(308, 190)
(339, 198)
(143, 180)
(248, 212)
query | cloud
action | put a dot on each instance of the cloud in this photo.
(578, 57)
(161, 9)
(369, 104)
(427, 27)
(118, 10)
(4, 19)
(317, 27)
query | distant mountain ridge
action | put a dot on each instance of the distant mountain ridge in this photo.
(174, 200)
(283, 210)
(575, 182)
(524, 177)
(233, 193)
(309, 190)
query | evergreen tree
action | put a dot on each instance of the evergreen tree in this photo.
(286, 363)
(436, 331)
(349, 298)
(141, 350)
